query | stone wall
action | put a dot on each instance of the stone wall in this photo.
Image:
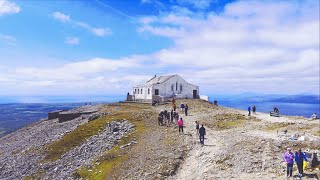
(54, 114)
(67, 116)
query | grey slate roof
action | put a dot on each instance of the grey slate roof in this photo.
(159, 79)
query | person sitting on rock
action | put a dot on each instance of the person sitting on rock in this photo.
(314, 116)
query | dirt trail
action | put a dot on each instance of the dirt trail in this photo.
(199, 160)
(242, 152)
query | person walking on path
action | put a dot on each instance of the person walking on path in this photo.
(174, 107)
(177, 116)
(172, 116)
(254, 110)
(197, 127)
(288, 158)
(249, 110)
(186, 109)
(182, 107)
(299, 156)
(180, 124)
(202, 132)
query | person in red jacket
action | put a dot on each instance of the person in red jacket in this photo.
(180, 124)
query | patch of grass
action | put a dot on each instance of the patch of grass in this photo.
(84, 131)
(225, 121)
(112, 160)
(276, 126)
(75, 138)
(38, 175)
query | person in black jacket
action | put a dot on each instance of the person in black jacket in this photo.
(186, 110)
(202, 132)
(172, 116)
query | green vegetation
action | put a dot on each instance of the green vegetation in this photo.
(111, 161)
(226, 121)
(276, 126)
(37, 175)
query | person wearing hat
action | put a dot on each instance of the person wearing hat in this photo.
(299, 156)
(288, 158)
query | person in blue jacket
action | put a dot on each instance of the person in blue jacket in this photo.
(249, 110)
(299, 156)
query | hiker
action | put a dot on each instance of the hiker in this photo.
(249, 110)
(180, 124)
(172, 116)
(174, 107)
(197, 127)
(186, 110)
(254, 110)
(177, 116)
(181, 107)
(202, 132)
(160, 120)
(288, 158)
(276, 110)
(314, 116)
(173, 101)
(168, 118)
(299, 156)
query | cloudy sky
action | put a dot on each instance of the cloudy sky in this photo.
(103, 47)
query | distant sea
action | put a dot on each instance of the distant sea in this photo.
(290, 109)
(16, 115)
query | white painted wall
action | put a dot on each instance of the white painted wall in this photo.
(144, 94)
(166, 90)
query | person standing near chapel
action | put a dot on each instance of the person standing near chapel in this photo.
(186, 108)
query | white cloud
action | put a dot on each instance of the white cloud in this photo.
(245, 46)
(61, 17)
(231, 52)
(101, 32)
(7, 7)
(72, 40)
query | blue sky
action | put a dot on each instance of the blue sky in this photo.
(104, 47)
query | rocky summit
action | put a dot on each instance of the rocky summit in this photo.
(125, 141)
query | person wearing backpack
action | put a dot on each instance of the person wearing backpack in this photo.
(299, 156)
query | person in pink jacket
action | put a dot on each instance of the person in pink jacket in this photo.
(180, 124)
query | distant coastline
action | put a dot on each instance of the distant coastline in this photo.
(18, 115)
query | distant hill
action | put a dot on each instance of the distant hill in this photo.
(307, 99)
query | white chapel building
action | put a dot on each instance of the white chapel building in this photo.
(159, 88)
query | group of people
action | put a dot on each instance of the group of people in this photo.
(168, 117)
(298, 157)
(253, 110)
